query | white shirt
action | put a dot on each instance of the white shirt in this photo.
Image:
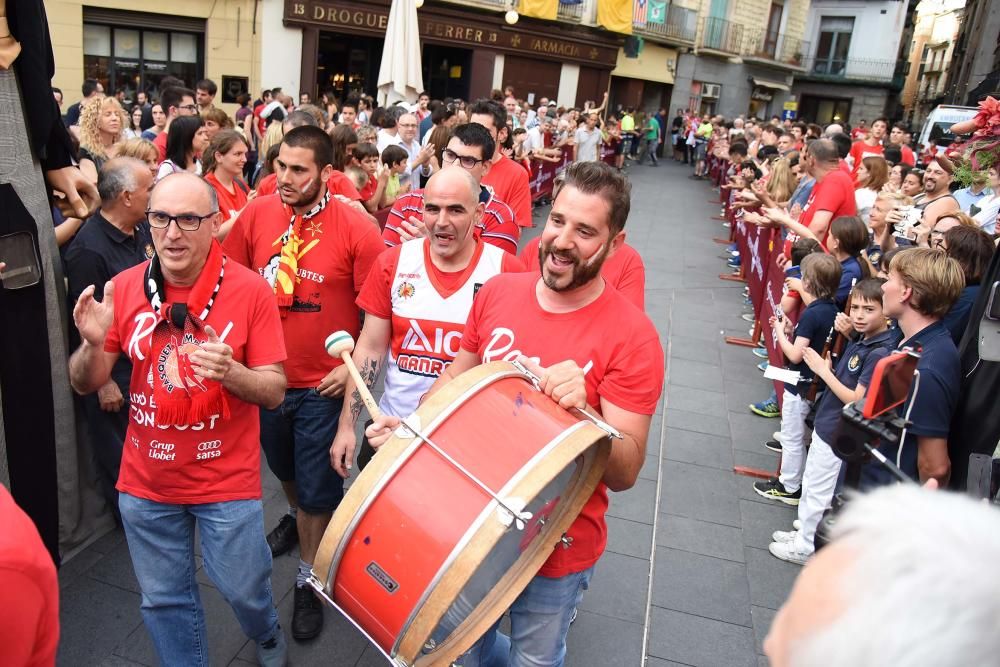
(534, 139)
(383, 140)
(412, 149)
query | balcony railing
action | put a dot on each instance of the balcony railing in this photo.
(775, 46)
(721, 35)
(859, 69)
(680, 25)
(571, 13)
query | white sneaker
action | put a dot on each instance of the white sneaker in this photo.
(797, 525)
(777, 436)
(787, 552)
(784, 536)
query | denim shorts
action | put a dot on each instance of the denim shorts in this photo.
(296, 438)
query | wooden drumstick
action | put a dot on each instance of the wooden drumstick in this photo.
(341, 344)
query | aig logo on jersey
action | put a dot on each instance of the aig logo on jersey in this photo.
(427, 347)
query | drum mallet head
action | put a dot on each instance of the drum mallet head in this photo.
(338, 343)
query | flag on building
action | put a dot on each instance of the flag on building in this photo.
(615, 15)
(542, 9)
(639, 12)
(657, 12)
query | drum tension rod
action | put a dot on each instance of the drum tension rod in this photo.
(600, 423)
(519, 515)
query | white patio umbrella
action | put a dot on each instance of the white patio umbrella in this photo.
(399, 76)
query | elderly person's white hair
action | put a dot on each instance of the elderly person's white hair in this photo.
(921, 587)
(832, 129)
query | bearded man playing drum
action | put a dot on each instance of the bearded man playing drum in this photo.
(591, 347)
(416, 301)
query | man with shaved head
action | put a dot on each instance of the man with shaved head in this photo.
(408, 299)
(470, 149)
(205, 353)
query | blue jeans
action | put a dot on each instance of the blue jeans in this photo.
(539, 621)
(296, 438)
(236, 557)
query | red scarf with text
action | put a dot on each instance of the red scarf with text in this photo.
(183, 398)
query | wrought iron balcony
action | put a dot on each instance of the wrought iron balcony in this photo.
(721, 35)
(774, 46)
(839, 70)
(681, 25)
(571, 13)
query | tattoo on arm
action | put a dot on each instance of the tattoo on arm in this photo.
(368, 373)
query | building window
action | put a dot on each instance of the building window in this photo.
(133, 59)
(704, 97)
(834, 44)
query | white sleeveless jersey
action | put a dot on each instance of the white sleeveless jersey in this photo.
(426, 326)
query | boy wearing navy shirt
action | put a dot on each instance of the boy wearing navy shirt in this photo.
(923, 284)
(845, 385)
(820, 279)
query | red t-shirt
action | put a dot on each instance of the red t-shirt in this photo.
(860, 132)
(509, 182)
(29, 591)
(859, 151)
(161, 145)
(835, 193)
(230, 203)
(211, 461)
(908, 156)
(496, 226)
(368, 191)
(610, 337)
(338, 249)
(624, 270)
(338, 184)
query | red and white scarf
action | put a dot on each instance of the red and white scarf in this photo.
(183, 398)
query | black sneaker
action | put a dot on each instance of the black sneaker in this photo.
(307, 615)
(775, 490)
(284, 536)
(773, 445)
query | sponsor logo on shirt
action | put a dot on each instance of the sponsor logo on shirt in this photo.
(428, 353)
(501, 346)
(405, 290)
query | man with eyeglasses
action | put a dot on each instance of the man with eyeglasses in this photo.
(203, 335)
(418, 291)
(315, 253)
(175, 102)
(419, 156)
(507, 179)
(469, 149)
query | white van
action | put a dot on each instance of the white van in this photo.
(937, 127)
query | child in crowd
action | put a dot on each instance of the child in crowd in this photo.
(845, 384)
(820, 279)
(394, 159)
(847, 243)
(373, 189)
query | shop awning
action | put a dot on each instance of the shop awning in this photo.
(775, 85)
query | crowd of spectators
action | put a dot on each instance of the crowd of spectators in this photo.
(874, 250)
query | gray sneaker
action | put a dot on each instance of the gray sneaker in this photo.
(274, 651)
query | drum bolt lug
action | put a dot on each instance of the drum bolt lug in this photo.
(430, 645)
(566, 541)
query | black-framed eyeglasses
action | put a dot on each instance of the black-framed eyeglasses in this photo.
(466, 161)
(193, 108)
(186, 222)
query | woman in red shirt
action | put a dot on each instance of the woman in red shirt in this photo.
(223, 164)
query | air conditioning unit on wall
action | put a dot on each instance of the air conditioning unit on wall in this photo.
(711, 90)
